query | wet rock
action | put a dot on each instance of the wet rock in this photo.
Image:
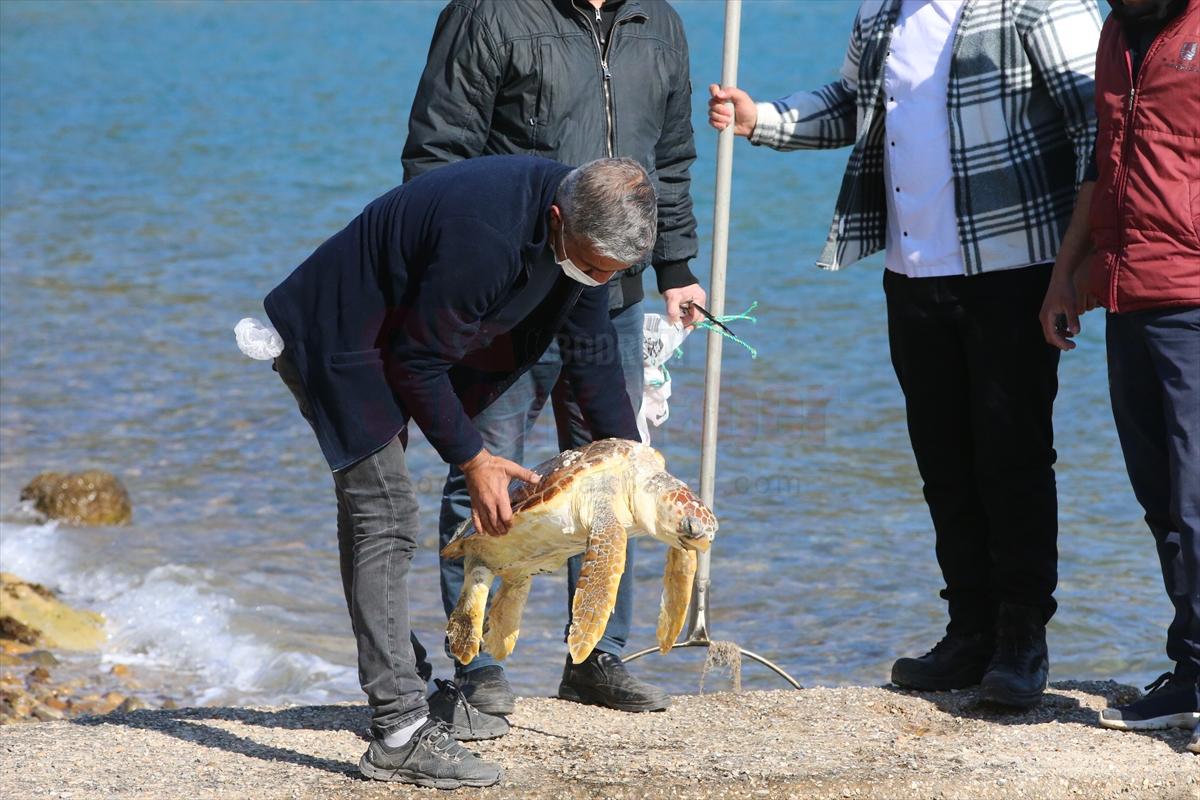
(130, 704)
(110, 702)
(56, 703)
(93, 497)
(15, 631)
(10, 647)
(43, 658)
(32, 607)
(38, 675)
(44, 713)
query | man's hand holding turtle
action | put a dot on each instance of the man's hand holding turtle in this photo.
(488, 477)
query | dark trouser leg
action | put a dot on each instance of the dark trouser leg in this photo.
(928, 354)
(1014, 379)
(1154, 382)
(504, 425)
(377, 535)
(573, 432)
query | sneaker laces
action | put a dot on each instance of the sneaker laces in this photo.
(1161, 682)
(439, 739)
(451, 690)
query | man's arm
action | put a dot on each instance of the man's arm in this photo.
(674, 154)
(808, 120)
(1062, 43)
(452, 110)
(435, 334)
(439, 325)
(1062, 302)
(592, 363)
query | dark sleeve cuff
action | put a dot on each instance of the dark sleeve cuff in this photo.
(673, 275)
(461, 451)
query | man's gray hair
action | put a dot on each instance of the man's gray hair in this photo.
(611, 204)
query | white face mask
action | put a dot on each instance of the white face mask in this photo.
(576, 274)
(571, 271)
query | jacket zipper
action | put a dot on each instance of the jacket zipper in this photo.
(602, 52)
(1130, 105)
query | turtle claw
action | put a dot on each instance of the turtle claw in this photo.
(464, 629)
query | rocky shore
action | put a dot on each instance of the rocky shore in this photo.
(39, 678)
(815, 743)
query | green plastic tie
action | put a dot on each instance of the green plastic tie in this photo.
(744, 316)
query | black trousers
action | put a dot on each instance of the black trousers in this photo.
(979, 383)
(1154, 380)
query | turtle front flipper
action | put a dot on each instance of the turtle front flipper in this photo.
(464, 629)
(599, 577)
(504, 620)
(677, 592)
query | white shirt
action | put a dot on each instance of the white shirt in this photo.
(922, 229)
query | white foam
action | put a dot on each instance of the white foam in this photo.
(171, 618)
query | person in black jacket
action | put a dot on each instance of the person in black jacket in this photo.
(427, 306)
(572, 80)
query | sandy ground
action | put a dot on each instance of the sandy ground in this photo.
(815, 743)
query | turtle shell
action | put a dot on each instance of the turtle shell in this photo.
(564, 473)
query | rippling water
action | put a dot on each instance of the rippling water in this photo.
(163, 165)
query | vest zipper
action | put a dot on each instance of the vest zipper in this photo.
(1125, 148)
(602, 52)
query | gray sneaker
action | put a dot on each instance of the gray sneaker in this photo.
(431, 758)
(1194, 745)
(465, 722)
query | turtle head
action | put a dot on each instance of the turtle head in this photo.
(680, 519)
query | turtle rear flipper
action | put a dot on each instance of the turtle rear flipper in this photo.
(677, 592)
(599, 577)
(504, 620)
(464, 629)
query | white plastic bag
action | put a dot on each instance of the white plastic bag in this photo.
(659, 341)
(257, 340)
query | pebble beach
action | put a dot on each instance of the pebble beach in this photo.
(875, 743)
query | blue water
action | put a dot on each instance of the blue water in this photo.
(163, 165)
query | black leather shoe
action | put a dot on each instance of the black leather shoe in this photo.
(487, 689)
(956, 662)
(602, 680)
(1019, 670)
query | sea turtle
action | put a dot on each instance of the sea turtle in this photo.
(587, 501)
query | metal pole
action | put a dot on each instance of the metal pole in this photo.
(697, 627)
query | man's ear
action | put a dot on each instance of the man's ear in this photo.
(556, 214)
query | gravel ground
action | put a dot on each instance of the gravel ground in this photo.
(815, 743)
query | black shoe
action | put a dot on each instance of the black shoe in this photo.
(602, 680)
(430, 758)
(1170, 702)
(487, 689)
(464, 722)
(1018, 672)
(956, 662)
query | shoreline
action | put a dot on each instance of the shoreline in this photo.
(813, 743)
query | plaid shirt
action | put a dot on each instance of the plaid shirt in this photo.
(1021, 128)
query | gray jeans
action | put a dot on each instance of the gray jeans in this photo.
(377, 535)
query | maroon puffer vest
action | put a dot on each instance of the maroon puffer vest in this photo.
(1145, 213)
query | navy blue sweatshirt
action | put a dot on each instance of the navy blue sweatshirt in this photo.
(432, 301)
